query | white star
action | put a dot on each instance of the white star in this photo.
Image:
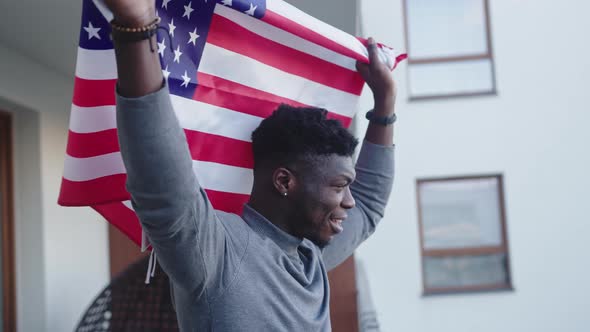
(92, 31)
(165, 72)
(162, 47)
(185, 79)
(171, 27)
(251, 10)
(227, 3)
(165, 4)
(193, 37)
(177, 54)
(188, 10)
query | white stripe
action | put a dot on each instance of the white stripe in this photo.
(224, 178)
(128, 205)
(285, 38)
(288, 11)
(84, 169)
(212, 176)
(103, 10)
(192, 115)
(211, 119)
(96, 64)
(235, 67)
(85, 120)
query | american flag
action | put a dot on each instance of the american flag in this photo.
(229, 64)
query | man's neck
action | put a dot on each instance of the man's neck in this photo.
(272, 209)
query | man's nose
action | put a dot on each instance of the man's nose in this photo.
(348, 201)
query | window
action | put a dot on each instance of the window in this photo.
(7, 284)
(449, 48)
(463, 234)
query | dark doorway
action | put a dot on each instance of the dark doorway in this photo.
(7, 294)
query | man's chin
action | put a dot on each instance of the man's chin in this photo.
(321, 243)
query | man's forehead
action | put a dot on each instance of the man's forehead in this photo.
(335, 165)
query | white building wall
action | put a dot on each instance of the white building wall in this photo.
(535, 132)
(61, 253)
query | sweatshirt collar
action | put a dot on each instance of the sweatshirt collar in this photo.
(287, 242)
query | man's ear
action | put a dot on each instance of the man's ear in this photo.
(284, 181)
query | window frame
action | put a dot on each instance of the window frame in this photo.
(7, 223)
(468, 251)
(449, 59)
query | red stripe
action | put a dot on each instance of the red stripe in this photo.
(123, 218)
(228, 202)
(244, 99)
(109, 189)
(91, 93)
(212, 90)
(229, 35)
(92, 144)
(203, 146)
(399, 59)
(304, 32)
(219, 149)
(97, 191)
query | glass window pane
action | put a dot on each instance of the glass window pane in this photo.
(446, 78)
(460, 213)
(465, 271)
(446, 28)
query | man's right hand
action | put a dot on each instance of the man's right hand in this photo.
(138, 66)
(132, 13)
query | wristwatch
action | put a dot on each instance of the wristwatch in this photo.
(380, 120)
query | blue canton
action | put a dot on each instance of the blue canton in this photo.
(187, 22)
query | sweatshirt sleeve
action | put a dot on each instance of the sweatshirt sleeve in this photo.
(371, 189)
(174, 211)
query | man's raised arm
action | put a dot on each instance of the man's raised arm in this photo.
(375, 165)
(173, 209)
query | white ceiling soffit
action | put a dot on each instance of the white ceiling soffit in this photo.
(44, 31)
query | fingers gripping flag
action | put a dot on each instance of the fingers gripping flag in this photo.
(229, 64)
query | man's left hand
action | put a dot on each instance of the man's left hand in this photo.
(379, 78)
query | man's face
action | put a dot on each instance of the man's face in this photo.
(323, 198)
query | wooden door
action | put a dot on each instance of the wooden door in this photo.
(7, 289)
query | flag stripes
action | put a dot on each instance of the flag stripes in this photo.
(247, 68)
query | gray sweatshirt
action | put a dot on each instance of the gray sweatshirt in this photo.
(231, 272)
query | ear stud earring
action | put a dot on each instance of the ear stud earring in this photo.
(285, 194)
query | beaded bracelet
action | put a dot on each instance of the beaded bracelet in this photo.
(121, 33)
(152, 26)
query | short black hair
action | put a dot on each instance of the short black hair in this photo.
(292, 133)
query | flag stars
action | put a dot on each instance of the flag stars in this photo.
(162, 47)
(188, 10)
(92, 31)
(165, 4)
(166, 73)
(171, 27)
(185, 80)
(226, 3)
(193, 37)
(177, 54)
(252, 10)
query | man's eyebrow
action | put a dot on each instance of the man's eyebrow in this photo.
(349, 177)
